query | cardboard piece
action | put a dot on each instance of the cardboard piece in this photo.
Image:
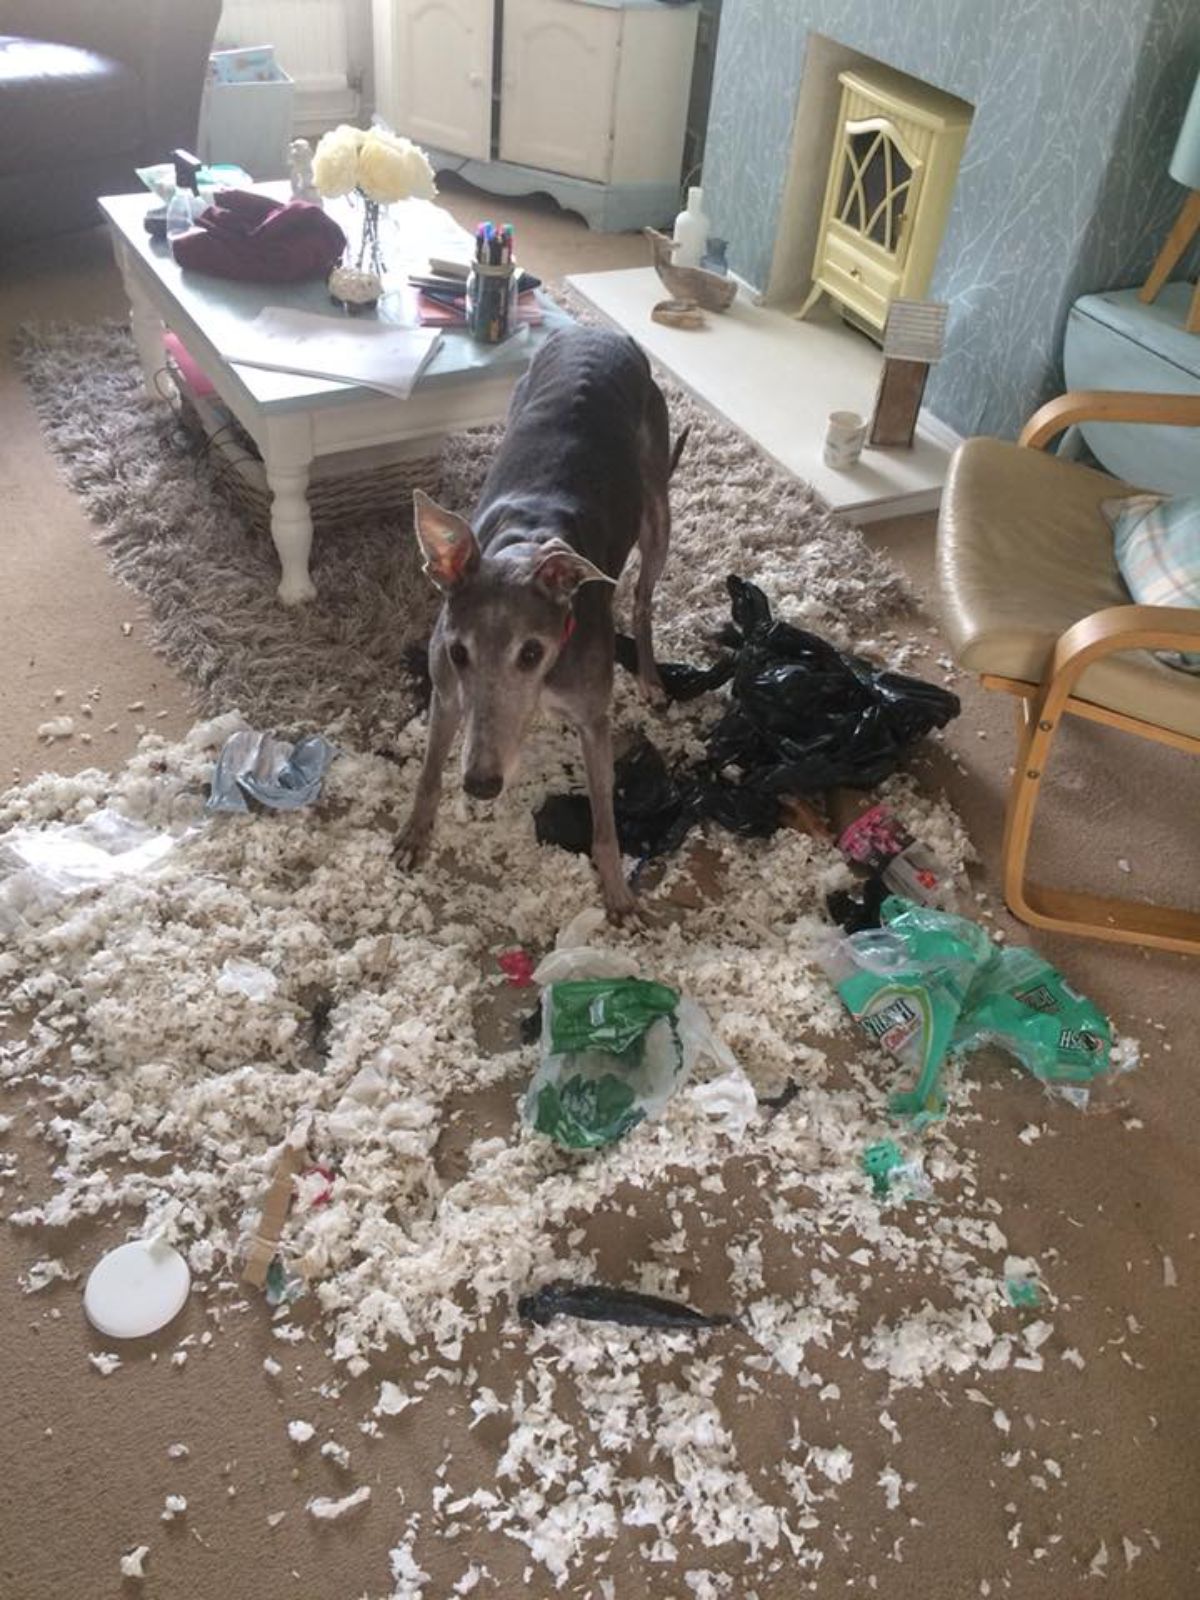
(260, 1252)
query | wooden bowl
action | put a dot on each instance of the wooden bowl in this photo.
(679, 314)
(708, 289)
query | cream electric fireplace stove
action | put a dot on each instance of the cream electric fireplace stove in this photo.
(895, 159)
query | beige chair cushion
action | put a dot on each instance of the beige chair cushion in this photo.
(1024, 552)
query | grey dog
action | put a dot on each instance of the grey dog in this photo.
(580, 477)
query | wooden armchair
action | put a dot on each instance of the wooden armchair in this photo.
(1035, 604)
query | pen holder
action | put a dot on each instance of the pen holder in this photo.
(491, 302)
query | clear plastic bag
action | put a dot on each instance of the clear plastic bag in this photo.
(278, 774)
(614, 1048)
(40, 868)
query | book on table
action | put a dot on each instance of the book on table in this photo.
(378, 355)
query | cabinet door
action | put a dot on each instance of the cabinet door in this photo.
(434, 64)
(558, 86)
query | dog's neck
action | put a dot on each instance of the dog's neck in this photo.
(532, 519)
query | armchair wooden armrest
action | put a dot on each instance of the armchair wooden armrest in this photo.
(1118, 628)
(1104, 633)
(1108, 405)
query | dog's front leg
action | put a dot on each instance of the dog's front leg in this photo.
(596, 736)
(444, 718)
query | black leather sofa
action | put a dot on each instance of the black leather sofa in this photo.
(89, 90)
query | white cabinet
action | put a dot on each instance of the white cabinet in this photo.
(433, 72)
(591, 96)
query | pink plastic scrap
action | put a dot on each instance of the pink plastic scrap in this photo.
(517, 966)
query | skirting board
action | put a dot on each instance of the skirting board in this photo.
(605, 207)
(777, 380)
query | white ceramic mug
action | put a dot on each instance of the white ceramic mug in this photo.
(845, 435)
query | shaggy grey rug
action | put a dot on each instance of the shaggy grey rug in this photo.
(208, 581)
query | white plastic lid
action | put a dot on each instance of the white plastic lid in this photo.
(136, 1289)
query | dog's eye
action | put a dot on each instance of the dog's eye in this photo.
(458, 653)
(530, 654)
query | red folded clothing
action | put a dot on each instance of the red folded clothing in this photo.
(247, 235)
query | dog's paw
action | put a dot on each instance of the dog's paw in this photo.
(622, 905)
(653, 693)
(411, 847)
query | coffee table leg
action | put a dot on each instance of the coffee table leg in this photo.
(144, 321)
(291, 530)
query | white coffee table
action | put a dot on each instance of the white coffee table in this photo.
(294, 419)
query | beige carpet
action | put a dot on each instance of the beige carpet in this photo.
(83, 1464)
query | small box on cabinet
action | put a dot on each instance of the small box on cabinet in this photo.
(247, 120)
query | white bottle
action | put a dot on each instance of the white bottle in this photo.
(691, 232)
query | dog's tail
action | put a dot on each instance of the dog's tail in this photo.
(678, 450)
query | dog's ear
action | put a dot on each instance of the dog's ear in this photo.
(559, 570)
(447, 543)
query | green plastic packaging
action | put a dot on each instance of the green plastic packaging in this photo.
(582, 1112)
(615, 1047)
(612, 1054)
(1020, 1002)
(905, 985)
(606, 1013)
(928, 984)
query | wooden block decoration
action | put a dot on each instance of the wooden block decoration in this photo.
(898, 403)
(913, 339)
(264, 1241)
(915, 330)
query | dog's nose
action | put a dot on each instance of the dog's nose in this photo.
(483, 786)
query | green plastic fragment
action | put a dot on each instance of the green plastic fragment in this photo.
(281, 1286)
(1023, 1291)
(585, 1113)
(879, 1161)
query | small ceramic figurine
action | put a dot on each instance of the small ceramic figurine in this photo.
(300, 171)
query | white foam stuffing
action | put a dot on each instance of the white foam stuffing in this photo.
(326, 1510)
(41, 1274)
(836, 1464)
(133, 1562)
(392, 1399)
(408, 1578)
(891, 1483)
(300, 1432)
(105, 1362)
(151, 1055)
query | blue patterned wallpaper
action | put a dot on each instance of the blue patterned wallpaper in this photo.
(1063, 186)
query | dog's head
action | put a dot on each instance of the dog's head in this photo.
(505, 621)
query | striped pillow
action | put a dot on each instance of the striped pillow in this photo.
(1157, 546)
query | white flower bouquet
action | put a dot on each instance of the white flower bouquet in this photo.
(376, 167)
(383, 166)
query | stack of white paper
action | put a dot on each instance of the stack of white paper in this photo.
(378, 355)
